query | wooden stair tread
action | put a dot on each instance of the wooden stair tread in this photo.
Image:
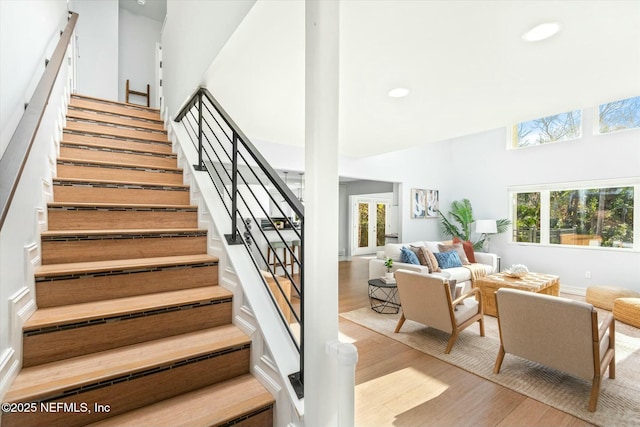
(233, 398)
(120, 205)
(111, 102)
(121, 264)
(127, 165)
(98, 129)
(60, 233)
(122, 110)
(76, 313)
(157, 149)
(41, 381)
(109, 141)
(113, 182)
(102, 117)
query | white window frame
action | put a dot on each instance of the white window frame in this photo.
(545, 209)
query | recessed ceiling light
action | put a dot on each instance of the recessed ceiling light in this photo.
(398, 92)
(541, 32)
(142, 2)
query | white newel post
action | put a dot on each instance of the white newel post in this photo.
(321, 215)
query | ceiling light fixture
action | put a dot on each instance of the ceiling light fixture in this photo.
(142, 2)
(541, 32)
(398, 92)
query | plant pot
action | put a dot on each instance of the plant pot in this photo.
(388, 275)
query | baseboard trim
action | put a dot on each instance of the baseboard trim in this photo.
(573, 290)
(9, 367)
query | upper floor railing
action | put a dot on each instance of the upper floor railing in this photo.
(15, 156)
(266, 216)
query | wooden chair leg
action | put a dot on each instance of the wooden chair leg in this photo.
(452, 341)
(595, 394)
(400, 323)
(481, 321)
(499, 359)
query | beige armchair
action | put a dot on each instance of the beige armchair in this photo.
(557, 332)
(427, 300)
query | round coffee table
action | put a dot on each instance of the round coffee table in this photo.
(383, 297)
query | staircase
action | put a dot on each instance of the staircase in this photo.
(131, 326)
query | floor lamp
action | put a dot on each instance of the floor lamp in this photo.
(486, 227)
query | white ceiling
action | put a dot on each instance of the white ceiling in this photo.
(152, 9)
(465, 63)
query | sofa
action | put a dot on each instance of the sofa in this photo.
(484, 261)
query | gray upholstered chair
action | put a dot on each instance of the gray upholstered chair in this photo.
(428, 300)
(557, 332)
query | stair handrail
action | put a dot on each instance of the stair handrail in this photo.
(201, 131)
(16, 154)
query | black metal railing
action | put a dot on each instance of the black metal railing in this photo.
(17, 151)
(266, 216)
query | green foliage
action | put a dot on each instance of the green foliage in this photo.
(389, 264)
(462, 213)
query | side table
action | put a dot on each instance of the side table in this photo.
(383, 297)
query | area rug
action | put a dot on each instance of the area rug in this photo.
(619, 403)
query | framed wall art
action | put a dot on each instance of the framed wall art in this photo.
(433, 203)
(418, 203)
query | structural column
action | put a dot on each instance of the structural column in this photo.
(321, 210)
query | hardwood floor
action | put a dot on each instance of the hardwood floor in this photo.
(399, 386)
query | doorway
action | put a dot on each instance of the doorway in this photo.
(369, 219)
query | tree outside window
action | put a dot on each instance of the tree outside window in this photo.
(619, 115)
(592, 217)
(527, 217)
(558, 127)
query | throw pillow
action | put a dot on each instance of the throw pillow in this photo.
(407, 256)
(448, 259)
(433, 262)
(424, 254)
(458, 248)
(421, 256)
(468, 249)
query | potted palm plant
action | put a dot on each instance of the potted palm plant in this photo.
(461, 214)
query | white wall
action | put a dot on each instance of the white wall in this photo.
(20, 234)
(29, 32)
(478, 167)
(193, 34)
(138, 36)
(97, 33)
(485, 169)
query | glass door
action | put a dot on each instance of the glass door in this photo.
(369, 218)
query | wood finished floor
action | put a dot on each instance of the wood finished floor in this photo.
(399, 386)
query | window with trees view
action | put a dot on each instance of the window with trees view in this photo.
(619, 115)
(593, 216)
(558, 127)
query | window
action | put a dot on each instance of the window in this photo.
(559, 127)
(592, 217)
(619, 115)
(576, 215)
(527, 218)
